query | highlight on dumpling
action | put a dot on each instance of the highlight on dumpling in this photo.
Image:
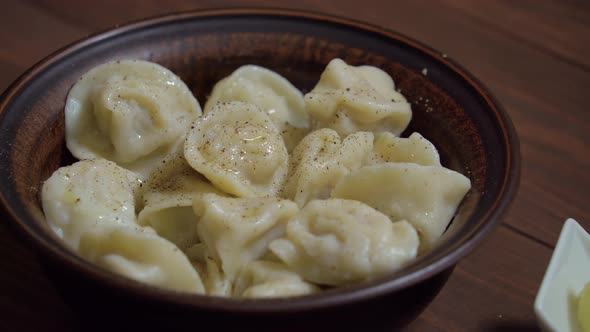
(270, 92)
(237, 147)
(268, 193)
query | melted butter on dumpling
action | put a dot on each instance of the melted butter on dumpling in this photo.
(270, 279)
(140, 254)
(128, 111)
(269, 91)
(86, 195)
(425, 196)
(414, 149)
(237, 231)
(337, 242)
(349, 99)
(168, 198)
(237, 147)
(320, 160)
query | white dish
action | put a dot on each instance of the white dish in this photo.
(568, 272)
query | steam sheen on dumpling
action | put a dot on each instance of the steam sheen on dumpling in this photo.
(337, 242)
(237, 147)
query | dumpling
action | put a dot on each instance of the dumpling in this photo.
(128, 112)
(269, 91)
(168, 198)
(320, 160)
(236, 147)
(270, 279)
(337, 242)
(414, 149)
(349, 99)
(425, 196)
(215, 281)
(237, 231)
(140, 254)
(86, 195)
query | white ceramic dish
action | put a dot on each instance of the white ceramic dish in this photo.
(568, 272)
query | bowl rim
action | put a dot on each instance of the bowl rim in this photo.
(339, 296)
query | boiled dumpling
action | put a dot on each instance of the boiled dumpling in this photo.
(237, 231)
(349, 99)
(320, 160)
(269, 193)
(269, 91)
(414, 149)
(168, 199)
(426, 196)
(215, 281)
(139, 253)
(336, 242)
(87, 195)
(236, 146)
(270, 279)
(131, 112)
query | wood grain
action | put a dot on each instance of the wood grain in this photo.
(28, 301)
(501, 290)
(28, 33)
(534, 56)
(564, 33)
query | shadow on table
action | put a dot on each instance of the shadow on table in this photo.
(509, 326)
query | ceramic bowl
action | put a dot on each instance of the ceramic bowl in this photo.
(472, 132)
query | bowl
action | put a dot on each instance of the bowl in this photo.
(472, 132)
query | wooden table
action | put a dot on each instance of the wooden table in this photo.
(533, 55)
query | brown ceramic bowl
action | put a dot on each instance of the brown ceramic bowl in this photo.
(451, 108)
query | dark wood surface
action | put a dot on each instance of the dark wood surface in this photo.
(533, 55)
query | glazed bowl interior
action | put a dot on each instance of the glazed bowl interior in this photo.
(450, 108)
